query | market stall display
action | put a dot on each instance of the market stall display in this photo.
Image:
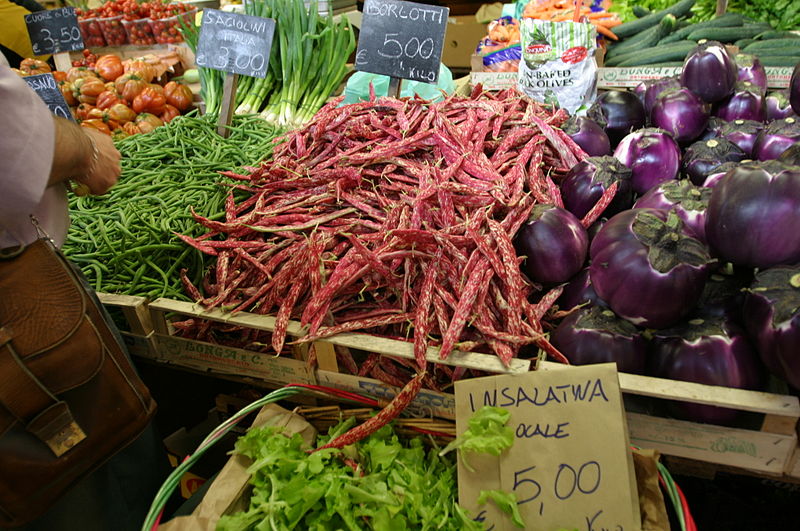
(120, 22)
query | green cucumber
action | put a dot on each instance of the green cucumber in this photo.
(659, 54)
(645, 39)
(741, 43)
(777, 34)
(728, 35)
(640, 11)
(771, 44)
(628, 29)
(723, 21)
(779, 60)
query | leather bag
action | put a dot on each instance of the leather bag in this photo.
(69, 396)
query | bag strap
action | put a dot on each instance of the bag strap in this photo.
(32, 404)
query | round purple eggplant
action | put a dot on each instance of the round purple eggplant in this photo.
(687, 200)
(709, 71)
(596, 335)
(777, 105)
(718, 173)
(655, 87)
(588, 135)
(619, 112)
(652, 155)
(648, 267)
(743, 133)
(681, 113)
(586, 182)
(772, 318)
(791, 156)
(713, 128)
(711, 351)
(749, 68)
(775, 138)
(579, 291)
(753, 216)
(746, 103)
(704, 156)
(794, 88)
(554, 244)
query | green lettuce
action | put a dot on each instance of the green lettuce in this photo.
(487, 433)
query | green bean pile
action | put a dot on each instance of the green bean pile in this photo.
(124, 241)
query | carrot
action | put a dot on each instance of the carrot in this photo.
(606, 32)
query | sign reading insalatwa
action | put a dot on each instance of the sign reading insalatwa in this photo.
(570, 466)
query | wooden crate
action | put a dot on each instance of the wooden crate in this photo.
(137, 331)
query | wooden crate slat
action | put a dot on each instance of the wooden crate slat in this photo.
(755, 450)
(229, 360)
(379, 345)
(133, 308)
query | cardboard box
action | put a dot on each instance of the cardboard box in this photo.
(460, 40)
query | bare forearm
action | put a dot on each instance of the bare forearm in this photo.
(72, 156)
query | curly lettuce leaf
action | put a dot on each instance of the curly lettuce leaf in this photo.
(487, 433)
(506, 502)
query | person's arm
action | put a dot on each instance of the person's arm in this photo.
(84, 155)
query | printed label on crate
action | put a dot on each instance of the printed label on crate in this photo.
(777, 77)
(235, 43)
(494, 80)
(229, 360)
(46, 86)
(570, 466)
(138, 345)
(756, 450)
(54, 31)
(427, 403)
(401, 39)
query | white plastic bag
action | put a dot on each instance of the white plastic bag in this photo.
(558, 64)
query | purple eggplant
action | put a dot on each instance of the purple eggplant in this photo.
(681, 113)
(723, 295)
(776, 138)
(791, 156)
(586, 182)
(687, 200)
(794, 88)
(554, 244)
(713, 128)
(655, 87)
(749, 68)
(619, 112)
(709, 72)
(777, 105)
(588, 135)
(711, 351)
(648, 267)
(772, 318)
(746, 103)
(718, 173)
(640, 90)
(652, 155)
(743, 133)
(596, 335)
(753, 216)
(579, 291)
(704, 156)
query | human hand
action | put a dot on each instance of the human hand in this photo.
(105, 169)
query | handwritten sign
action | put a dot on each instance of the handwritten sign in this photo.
(46, 87)
(401, 39)
(570, 466)
(54, 31)
(234, 43)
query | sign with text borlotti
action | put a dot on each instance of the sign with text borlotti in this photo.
(54, 31)
(570, 466)
(46, 86)
(239, 44)
(401, 39)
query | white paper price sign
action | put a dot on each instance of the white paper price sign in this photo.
(570, 466)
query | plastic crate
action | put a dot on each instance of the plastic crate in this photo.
(139, 31)
(113, 30)
(92, 33)
(167, 30)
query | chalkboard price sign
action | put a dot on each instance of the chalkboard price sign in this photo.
(46, 87)
(54, 31)
(239, 44)
(401, 39)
